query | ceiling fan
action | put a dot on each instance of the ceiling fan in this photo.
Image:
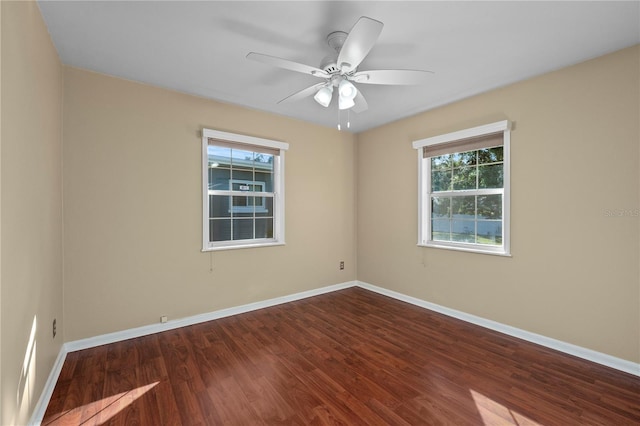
(340, 68)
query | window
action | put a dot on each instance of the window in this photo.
(243, 191)
(464, 189)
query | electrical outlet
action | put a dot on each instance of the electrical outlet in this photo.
(341, 265)
(54, 328)
(163, 319)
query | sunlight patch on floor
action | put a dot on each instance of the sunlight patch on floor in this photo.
(494, 413)
(99, 412)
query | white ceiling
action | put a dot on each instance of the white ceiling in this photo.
(199, 47)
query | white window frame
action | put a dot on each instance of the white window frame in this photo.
(278, 190)
(424, 189)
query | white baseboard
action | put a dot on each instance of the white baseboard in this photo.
(568, 348)
(47, 391)
(145, 330)
(588, 354)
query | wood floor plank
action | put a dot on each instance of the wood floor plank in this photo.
(351, 357)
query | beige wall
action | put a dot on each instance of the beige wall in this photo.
(31, 199)
(574, 273)
(133, 221)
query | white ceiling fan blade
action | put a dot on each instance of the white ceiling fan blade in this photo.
(361, 103)
(399, 77)
(309, 91)
(359, 42)
(287, 64)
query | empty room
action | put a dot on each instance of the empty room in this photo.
(319, 212)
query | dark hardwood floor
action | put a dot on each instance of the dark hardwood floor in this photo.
(351, 357)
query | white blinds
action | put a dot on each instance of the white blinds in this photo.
(463, 145)
(243, 146)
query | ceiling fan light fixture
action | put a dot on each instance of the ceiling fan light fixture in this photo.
(347, 89)
(345, 103)
(340, 69)
(323, 97)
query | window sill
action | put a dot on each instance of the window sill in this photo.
(465, 248)
(243, 246)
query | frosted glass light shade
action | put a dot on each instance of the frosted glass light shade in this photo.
(347, 90)
(323, 97)
(345, 103)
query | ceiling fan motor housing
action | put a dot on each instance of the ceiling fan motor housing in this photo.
(335, 40)
(329, 64)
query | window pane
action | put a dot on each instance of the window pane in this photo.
(218, 156)
(464, 207)
(441, 180)
(264, 206)
(490, 232)
(464, 231)
(243, 229)
(241, 159)
(264, 228)
(464, 177)
(441, 162)
(242, 206)
(219, 230)
(248, 206)
(461, 159)
(219, 178)
(219, 206)
(441, 230)
(257, 186)
(491, 176)
(245, 175)
(491, 155)
(245, 185)
(263, 162)
(440, 207)
(240, 201)
(490, 206)
(266, 179)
